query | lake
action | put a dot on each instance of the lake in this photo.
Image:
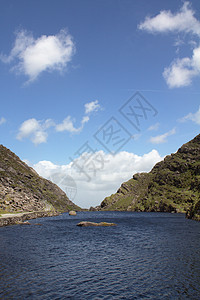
(146, 256)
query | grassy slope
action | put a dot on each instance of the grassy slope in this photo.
(172, 185)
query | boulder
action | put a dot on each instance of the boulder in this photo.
(24, 223)
(86, 223)
(72, 213)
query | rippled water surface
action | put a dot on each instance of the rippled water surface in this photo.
(146, 256)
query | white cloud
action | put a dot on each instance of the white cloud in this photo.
(195, 117)
(196, 58)
(35, 130)
(28, 127)
(85, 120)
(181, 71)
(107, 172)
(154, 127)
(39, 137)
(2, 120)
(68, 124)
(34, 56)
(92, 107)
(46, 168)
(159, 139)
(165, 21)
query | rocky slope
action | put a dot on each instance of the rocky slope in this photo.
(22, 189)
(173, 185)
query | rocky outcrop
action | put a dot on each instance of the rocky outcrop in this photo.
(20, 218)
(87, 223)
(22, 189)
(72, 213)
(173, 185)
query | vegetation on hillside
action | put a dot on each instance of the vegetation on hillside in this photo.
(173, 185)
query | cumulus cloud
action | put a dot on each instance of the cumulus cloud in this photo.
(2, 120)
(182, 70)
(165, 21)
(194, 117)
(92, 107)
(102, 174)
(32, 56)
(68, 123)
(159, 139)
(35, 130)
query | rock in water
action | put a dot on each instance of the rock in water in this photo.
(72, 213)
(86, 223)
(24, 223)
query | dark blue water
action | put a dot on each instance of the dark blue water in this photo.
(146, 256)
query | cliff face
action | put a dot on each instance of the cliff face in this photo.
(22, 189)
(173, 185)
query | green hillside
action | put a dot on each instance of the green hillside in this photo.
(173, 185)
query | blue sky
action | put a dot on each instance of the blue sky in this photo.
(71, 71)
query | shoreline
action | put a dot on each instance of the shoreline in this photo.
(15, 219)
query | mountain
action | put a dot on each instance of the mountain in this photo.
(22, 189)
(173, 185)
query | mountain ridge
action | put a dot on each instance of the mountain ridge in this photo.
(22, 189)
(173, 185)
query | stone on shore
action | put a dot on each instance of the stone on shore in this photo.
(72, 213)
(86, 223)
(17, 218)
(24, 223)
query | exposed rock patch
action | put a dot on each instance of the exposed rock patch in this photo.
(22, 189)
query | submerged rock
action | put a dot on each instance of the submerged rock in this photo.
(86, 223)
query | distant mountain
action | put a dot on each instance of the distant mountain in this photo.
(173, 185)
(22, 189)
